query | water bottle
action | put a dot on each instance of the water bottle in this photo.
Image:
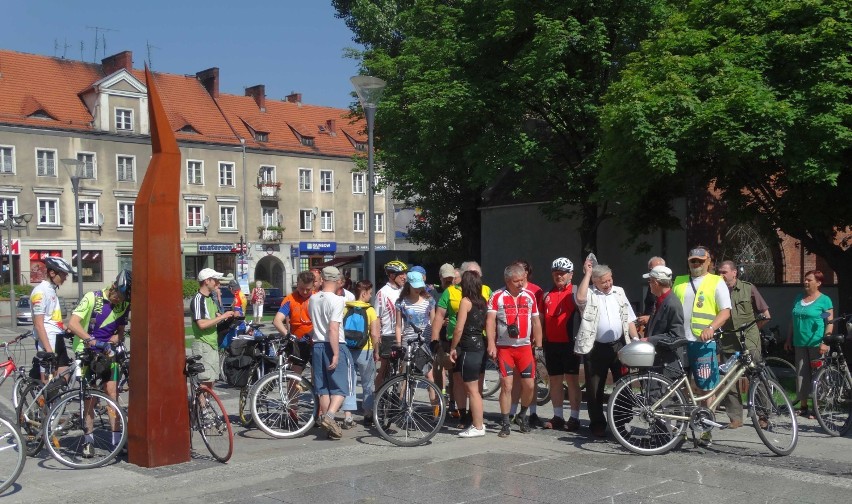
(724, 368)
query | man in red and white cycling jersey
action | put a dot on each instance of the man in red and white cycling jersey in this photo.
(511, 326)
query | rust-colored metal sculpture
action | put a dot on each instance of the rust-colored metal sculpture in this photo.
(159, 421)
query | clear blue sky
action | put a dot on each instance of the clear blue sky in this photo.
(287, 45)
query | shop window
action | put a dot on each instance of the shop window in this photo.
(92, 265)
(37, 270)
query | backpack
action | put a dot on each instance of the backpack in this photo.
(355, 328)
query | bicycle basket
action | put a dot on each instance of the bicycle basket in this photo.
(637, 354)
(423, 359)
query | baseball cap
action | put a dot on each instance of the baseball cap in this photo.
(698, 253)
(447, 271)
(659, 273)
(415, 279)
(208, 273)
(419, 269)
(331, 274)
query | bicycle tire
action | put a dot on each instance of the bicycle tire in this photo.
(284, 406)
(65, 432)
(21, 382)
(213, 424)
(405, 413)
(492, 379)
(632, 421)
(30, 419)
(223, 353)
(12, 454)
(833, 401)
(542, 390)
(783, 372)
(772, 415)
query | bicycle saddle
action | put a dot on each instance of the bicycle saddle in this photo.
(193, 358)
(256, 326)
(834, 339)
(45, 356)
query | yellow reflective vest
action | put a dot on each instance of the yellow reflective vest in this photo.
(704, 308)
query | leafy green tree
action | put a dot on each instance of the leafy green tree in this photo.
(753, 96)
(492, 101)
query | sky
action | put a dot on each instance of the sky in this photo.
(287, 45)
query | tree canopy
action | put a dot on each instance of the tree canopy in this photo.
(752, 96)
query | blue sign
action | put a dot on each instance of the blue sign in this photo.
(294, 251)
(216, 248)
(314, 247)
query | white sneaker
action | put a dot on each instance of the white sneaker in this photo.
(472, 432)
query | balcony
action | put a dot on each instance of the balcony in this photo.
(269, 191)
(270, 234)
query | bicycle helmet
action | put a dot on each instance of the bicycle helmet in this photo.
(562, 264)
(396, 266)
(123, 283)
(58, 264)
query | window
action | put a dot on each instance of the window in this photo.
(124, 165)
(306, 220)
(48, 211)
(228, 217)
(325, 181)
(226, 174)
(379, 223)
(45, 163)
(92, 264)
(125, 214)
(123, 119)
(88, 168)
(261, 136)
(377, 185)
(358, 183)
(305, 179)
(194, 172)
(7, 159)
(307, 141)
(194, 216)
(87, 212)
(7, 207)
(269, 217)
(327, 220)
(358, 222)
(266, 175)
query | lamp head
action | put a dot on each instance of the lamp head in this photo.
(369, 89)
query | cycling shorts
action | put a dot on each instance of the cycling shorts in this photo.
(560, 359)
(470, 363)
(516, 358)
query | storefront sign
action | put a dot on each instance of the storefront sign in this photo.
(314, 247)
(215, 248)
(365, 248)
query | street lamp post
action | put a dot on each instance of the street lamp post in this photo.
(369, 91)
(75, 188)
(13, 222)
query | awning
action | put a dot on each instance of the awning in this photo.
(342, 259)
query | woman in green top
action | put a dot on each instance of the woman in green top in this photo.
(810, 312)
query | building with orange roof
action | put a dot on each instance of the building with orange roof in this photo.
(277, 175)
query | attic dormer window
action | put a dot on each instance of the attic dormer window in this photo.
(361, 146)
(123, 119)
(307, 141)
(41, 114)
(188, 129)
(261, 136)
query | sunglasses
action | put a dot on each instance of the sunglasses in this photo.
(697, 261)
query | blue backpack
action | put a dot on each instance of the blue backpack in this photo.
(355, 328)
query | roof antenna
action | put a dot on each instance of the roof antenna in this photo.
(149, 46)
(65, 47)
(81, 50)
(99, 30)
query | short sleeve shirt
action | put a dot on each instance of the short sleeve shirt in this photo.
(557, 311)
(45, 302)
(325, 308)
(99, 318)
(203, 307)
(295, 308)
(511, 309)
(808, 324)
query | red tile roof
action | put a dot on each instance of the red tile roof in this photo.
(31, 83)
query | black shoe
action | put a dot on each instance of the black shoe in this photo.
(368, 420)
(524, 424)
(504, 430)
(534, 421)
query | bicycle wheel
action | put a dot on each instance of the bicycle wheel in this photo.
(213, 424)
(772, 415)
(832, 401)
(21, 383)
(409, 410)
(783, 372)
(283, 406)
(492, 379)
(75, 444)
(634, 422)
(30, 414)
(223, 353)
(542, 390)
(12, 454)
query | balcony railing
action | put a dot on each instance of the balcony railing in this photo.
(271, 234)
(269, 191)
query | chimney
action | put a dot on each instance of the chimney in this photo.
(294, 97)
(331, 126)
(210, 80)
(118, 61)
(259, 94)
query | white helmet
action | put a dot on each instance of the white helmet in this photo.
(562, 264)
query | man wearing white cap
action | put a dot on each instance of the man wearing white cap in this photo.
(666, 322)
(204, 313)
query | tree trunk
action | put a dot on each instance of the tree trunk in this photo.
(470, 228)
(589, 223)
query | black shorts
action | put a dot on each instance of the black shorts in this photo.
(560, 359)
(385, 345)
(470, 363)
(303, 350)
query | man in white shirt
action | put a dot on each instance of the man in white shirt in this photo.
(604, 330)
(330, 359)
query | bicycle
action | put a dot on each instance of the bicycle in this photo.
(78, 428)
(207, 415)
(782, 370)
(258, 354)
(409, 409)
(12, 454)
(833, 384)
(10, 366)
(37, 397)
(648, 412)
(283, 403)
(122, 358)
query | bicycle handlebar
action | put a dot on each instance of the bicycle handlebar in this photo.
(847, 317)
(743, 328)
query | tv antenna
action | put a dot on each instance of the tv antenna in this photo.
(149, 47)
(99, 30)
